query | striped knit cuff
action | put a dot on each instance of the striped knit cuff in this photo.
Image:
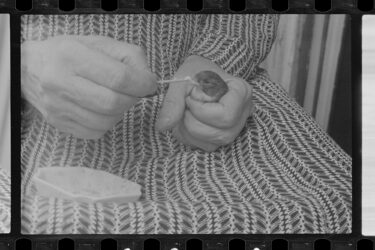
(232, 54)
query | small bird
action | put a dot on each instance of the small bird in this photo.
(211, 84)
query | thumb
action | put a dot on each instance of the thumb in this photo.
(173, 107)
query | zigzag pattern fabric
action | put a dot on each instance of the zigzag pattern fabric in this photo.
(282, 174)
(4, 201)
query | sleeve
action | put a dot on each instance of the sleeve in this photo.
(236, 42)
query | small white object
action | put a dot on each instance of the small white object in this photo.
(256, 248)
(85, 185)
(183, 80)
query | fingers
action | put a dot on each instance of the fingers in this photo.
(78, 114)
(105, 70)
(94, 97)
(205, 132)
(75, 129)
(129, 54)
(198, 95)
(173, 106)
(226, 112)
(212, 134)
(208, 134)
(183, 136)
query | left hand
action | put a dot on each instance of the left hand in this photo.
(206, 125)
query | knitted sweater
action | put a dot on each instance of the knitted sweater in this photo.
(282, 174)
(4, 201)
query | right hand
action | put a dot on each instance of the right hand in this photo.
(198, 122)
(82, 85)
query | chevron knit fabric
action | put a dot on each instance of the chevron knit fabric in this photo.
(282, 174)
(4, 202)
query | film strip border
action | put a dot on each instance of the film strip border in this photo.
(312, 6)
(208, 242)
(190, 244)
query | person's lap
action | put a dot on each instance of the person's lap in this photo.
(281, 175)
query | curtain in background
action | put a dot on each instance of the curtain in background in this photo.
(304, 60)
(368, 125)
(4, 92)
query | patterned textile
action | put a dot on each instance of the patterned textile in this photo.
(4, 201)
(282, 174)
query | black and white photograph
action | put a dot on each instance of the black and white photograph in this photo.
(368, 125)
(186, 124)
(4, 124)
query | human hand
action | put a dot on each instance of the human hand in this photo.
(82, 85)
(202, 124)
